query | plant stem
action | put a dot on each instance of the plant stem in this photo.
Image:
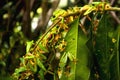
(113, 9)
(71, 14)
(53, 25)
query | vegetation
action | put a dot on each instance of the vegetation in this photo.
(81, 44)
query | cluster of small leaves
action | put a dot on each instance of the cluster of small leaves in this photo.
(44, 56)
(40, 55)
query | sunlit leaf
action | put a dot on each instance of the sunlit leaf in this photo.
(21, 69)
(70, 56)
(90, 9)
(63, 60)
(29, 56)
(43, 48)
(77, 53)
(28, 46)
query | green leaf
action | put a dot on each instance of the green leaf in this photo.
(43, 48)
(77, 53)
(29, 44)
(57, 13)
(106, 51)
(43, 56)
(40, 64)
(41, 73)
(8, 5)
(83, 57)
(21, 69)
(70, 56)
(29, 57)
(22, 60)
(114, 56)
(12, 41)
(32, 67)
(91, 8)
(63, 60)
(18, 71)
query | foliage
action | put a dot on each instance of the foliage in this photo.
(66, 49)
(12, 38)
(18, 37)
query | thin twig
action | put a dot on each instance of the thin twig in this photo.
(46, 33)
(115, 17)
(112, 2)
(113, 9)
(113, 14)
(83, 28)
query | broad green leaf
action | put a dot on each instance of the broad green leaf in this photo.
(114, 57)
(76, 47)
(106, 51)
(83, 58)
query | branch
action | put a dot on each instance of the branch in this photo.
(46, 33)
(79, 12)
(112, 2)
(113, 14)
(113, 9)
(115, 17)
